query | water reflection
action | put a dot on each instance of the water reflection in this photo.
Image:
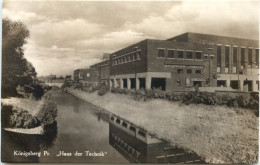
(138, 146)
(76, 106)
(13, 144)
(49, 136)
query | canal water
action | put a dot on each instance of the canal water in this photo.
(80, 127)
(86, 133)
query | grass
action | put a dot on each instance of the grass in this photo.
(32, 106)
(217, 133)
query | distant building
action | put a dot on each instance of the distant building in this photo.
(86, 76)
(46, 79)
(103, 69)
(185, 61)
(68, 78)
(58, 80)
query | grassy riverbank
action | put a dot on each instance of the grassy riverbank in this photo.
(27, 115)
(217, 133)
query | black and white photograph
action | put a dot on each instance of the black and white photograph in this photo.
(113, 82)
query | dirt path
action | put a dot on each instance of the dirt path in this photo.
(219, 134)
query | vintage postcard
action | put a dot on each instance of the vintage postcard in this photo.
(130, 82)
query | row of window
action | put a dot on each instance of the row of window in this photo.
(171, 53)
(234, 53)
(126, 58)
(188, 71)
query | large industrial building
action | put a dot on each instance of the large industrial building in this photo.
(185, 61)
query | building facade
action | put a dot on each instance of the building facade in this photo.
(185, 61)
(86, 77)
(103, 69)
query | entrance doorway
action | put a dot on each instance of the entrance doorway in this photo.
(248, 85)
(197, 83)
(158, 83)
(124, 83)
(132, 83)
(142, 83)
(221, 83)
(234, 84)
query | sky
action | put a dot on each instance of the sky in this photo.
(69, 35)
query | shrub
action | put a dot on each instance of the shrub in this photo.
(65, 85)
(48, 112)
(102, 91)
(15, 117)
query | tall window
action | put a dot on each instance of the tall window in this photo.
(189, 71)
(226, 57)
(170, 53)
(257, 57)
(180, 54)
(250, 60)
(234, 59)
(189, 55)
(131, 57)
(218, 56)
(198, 55)
(161, 53)
(243, 57)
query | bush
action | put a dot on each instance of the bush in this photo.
(15, 117)
(102, 91)
(65, 85)
(48, 113)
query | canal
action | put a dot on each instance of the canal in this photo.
(80, 127)
(84, 128)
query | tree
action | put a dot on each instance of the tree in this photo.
(16, 70)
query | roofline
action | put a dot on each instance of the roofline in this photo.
(213, 35)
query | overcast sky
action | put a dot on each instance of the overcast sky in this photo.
(68, 35)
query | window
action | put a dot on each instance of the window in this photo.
(198, 55)
(132, 128)
(132, 57)
(124, 124)
(227, 57)
(218, 56)
(138, 55)
(189, 71)
(112, 118)
(198, 71)
(141, 133)
(88, 75)
(243, 57)
(180, 54)
(180, 71)
(123, 59)
(118, 121)
(234, 56)
(189, 55)
(178, 83)
(161, 53)
(257, 58)
(250, 60)
(170, 53)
